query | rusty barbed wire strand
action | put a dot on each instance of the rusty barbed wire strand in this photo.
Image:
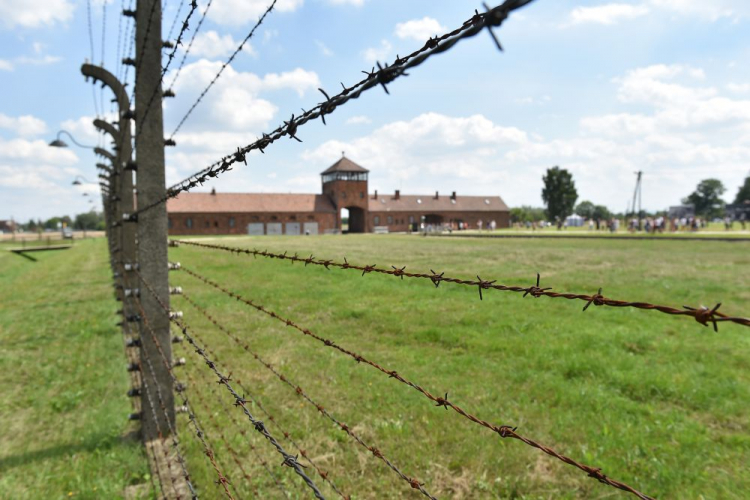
(163, 440)
(493, 17)
(223, 66)
(190, 45)
(702, 315)
(185, 25)
(289, 460)
(91, 44)
(172, 429)
(254, 449)
(324, 475)
(414, 483)
(503, 431)
(133, 377)
(235, 455)
(128, 45)
(176, 17)
(223, 481)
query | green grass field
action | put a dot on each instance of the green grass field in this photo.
(658, 402)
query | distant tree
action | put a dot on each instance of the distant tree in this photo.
(559, 193)
(31, 226)
(601, 213)
(585, 209)
(52, 222)
(87, 220)
(707, 198)
(743, 195)
(526, 213)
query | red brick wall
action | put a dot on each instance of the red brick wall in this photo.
(346, 194)
(400, 220)
(218, 223)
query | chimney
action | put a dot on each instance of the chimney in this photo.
(436, 195)
(375, 196)
(213, 191)
(453, 196)
(398, 195)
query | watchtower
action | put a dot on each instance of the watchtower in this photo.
(345, 184)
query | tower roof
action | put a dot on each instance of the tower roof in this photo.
(344, 165)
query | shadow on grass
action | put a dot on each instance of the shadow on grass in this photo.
(96, 442)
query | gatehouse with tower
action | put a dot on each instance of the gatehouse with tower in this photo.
(344, 186)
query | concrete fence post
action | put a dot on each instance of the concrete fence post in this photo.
(152, 224)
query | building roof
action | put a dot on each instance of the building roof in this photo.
(344, 165)
(248, 202)
(444, 203)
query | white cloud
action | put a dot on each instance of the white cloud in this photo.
(608, 14)
(34, 13)
(356, 3)
(25, 125)
(324, 48)
(298, 79)
(375, 54)
(38, 61)
(419, 29)
(5, 65)
(358, 120)
(211, 45)
(673, 126)
(738, 88)
(710, 11)
(247, 12)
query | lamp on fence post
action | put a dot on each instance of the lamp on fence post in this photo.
(59, 143)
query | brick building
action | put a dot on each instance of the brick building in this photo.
(344, 187)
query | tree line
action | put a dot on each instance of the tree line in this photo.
(90, 221)
(560, 195)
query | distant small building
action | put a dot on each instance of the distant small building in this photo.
(344, 186)
(681, 211)
(8, 226)
(738, 211)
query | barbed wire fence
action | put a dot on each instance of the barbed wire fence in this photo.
(229, 424)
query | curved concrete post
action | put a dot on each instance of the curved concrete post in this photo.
(123, 236)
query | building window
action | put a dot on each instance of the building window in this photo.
(310, 217)
(256, 218)
(343, 194)
(208, 224)
(390, 220)
(292, 217)
(273, 217)
(189, 223)
(169, 223)
(361, 194)
(411, 219)
(216, 223)
(376, 220)
(231, 222)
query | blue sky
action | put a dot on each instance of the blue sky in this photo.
(600, 88)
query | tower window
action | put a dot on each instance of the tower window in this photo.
(376, 220)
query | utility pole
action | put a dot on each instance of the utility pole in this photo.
(152, 224)
(637, 194)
